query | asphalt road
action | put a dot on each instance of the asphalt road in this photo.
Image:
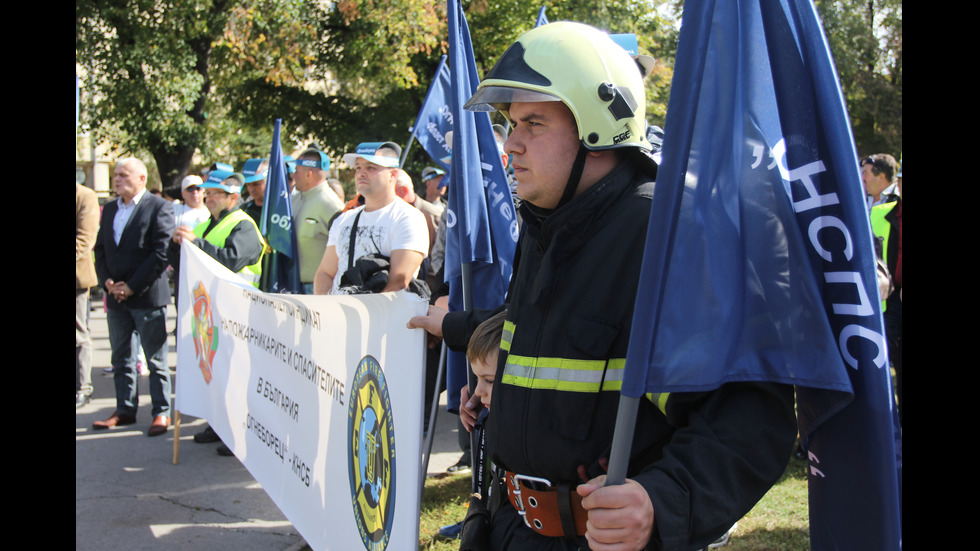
(131, 495)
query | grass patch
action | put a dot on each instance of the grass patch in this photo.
(444, 502)
(780, 521)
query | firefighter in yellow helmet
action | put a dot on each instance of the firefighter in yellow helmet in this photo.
(585, 171)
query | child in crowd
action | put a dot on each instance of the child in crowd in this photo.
(482, 353)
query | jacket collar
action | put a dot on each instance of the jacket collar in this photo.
(577, 218)
(560, 234)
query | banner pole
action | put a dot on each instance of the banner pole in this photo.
(622, 443)
(176, 436)
(408, 146)
(467, 284)
(432, 420)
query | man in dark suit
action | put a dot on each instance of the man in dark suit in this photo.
(130, 261)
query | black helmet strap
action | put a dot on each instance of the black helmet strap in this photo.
(575, 177)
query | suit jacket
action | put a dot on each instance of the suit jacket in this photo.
(140, 258)
(86, 228)
(894, 250)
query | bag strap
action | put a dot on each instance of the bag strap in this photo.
(353, 239)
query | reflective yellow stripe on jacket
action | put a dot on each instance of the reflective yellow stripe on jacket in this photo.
(565, 374)
(562, 374)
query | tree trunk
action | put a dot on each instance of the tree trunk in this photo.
(173, 166)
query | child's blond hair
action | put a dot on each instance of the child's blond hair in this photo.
(486, 339)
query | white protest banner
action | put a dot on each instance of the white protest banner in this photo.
(320, 397)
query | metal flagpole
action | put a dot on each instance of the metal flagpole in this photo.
(622, 442)
(467, 284)
(432, 418)
(411, 140)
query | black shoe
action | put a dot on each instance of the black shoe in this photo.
(206, 436)
(461, 466)
(225, 451)
(82, 398)
(451, 531)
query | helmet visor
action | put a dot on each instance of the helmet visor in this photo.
(490, 98)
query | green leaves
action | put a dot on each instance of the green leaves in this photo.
(866, 39)
(175, 77)
(155, 73)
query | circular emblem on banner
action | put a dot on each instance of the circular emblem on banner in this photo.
(371, 455)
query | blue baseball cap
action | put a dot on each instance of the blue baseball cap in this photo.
(431, 172)
(369, 152)
(217, 180)
(290, 164)
(250, 171)
(322, 164)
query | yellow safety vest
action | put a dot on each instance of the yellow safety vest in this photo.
(220, 232)
(882, 228)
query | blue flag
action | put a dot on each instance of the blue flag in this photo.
(435, 119)
(482, 222)
(281, 273)
(542, 18)
(759, 263)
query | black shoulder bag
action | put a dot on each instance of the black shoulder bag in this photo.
(369, 273)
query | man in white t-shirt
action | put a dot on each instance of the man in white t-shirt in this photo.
(385, 224)
(192, 212)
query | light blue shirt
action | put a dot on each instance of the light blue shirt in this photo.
(123, 214)
(886, 194)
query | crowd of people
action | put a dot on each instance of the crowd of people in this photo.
(584, 170)
(131, 250)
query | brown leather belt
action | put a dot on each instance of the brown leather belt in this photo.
(553, 511)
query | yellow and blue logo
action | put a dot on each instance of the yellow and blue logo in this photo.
(371, 454)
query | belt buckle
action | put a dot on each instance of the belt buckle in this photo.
(533, 483)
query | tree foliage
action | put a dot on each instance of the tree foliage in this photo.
(374, 68)
(175, 77)
(866, 39)
(652, 21)
(366, 80)
(370, 45)
(153, 70)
